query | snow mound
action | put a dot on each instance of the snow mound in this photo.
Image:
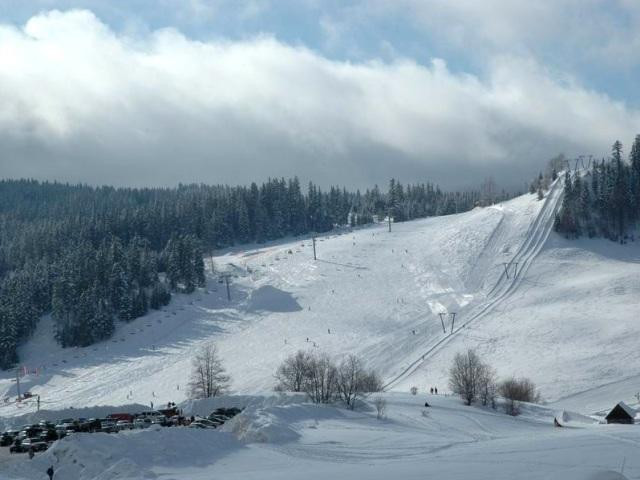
(279, 419)
(566, 418)
(129, 454)
(203, 407)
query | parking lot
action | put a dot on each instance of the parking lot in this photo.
(15, 443)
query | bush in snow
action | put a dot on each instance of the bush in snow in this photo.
(471, 378)
(414, 390)
(515, 390)
(381, 407)
(208, 377)
(487, 386)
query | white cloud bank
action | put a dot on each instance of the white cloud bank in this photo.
(79, 102)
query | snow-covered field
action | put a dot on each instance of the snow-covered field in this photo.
(569, 318)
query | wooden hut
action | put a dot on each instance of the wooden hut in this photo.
(621, 413)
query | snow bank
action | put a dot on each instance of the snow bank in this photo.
(203, 407)
(569, 419)
(131, 454)
(279, 424)
(265, 418)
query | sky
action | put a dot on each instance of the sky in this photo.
(338, 92)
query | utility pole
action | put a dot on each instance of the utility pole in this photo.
(18, 381)
(442, 314)
(226, 280)
(389, 218)
(453, 320)
(314, 247)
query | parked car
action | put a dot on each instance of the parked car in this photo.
(142, 422)
(66, 424)
(48, 435)
(7, 438)
(88, 425)
(124, 425)
(107, 425)
(218, 419)
(175, 420)
(30, 432)
(34, 444)
(21, 446)
(159, 420)
(207, 423)
(227, 412)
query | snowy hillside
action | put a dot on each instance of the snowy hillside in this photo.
(567, 318)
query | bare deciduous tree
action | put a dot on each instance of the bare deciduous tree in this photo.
(465, 375)
(371, 382)
(355, 381)
(317, 375)
(208, 377)
(321, 383)
(515, 390)
(293, 372)
(349, 378)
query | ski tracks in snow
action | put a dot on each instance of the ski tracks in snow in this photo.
(537, 234)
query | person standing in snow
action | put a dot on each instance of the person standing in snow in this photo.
(435, 390)
(50, 472)
(431, 390)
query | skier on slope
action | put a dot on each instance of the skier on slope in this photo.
(50, 472)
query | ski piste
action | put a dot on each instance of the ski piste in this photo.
(536, 236)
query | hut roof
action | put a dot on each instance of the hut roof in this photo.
(622, 407)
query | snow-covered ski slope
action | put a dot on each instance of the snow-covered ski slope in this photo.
(569, 318)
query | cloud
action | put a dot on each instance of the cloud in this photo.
(567, 31)
(83, 103)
